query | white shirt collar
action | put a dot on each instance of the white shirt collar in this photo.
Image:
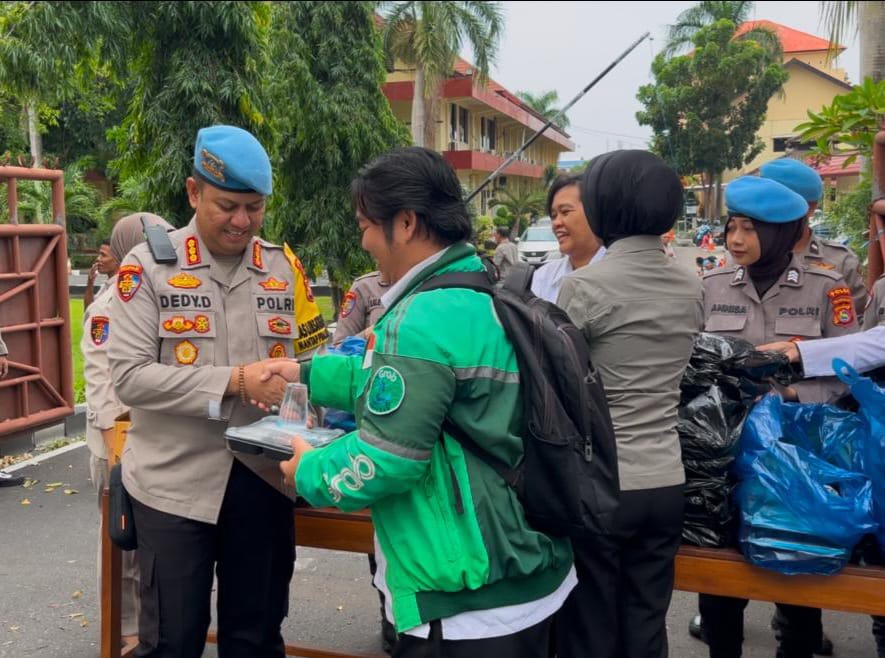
(397, 288)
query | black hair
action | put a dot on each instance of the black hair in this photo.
(503, 231)
(417, 179)
(559, 183)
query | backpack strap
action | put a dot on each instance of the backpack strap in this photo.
(519, 279)
(478, 281)
(512, 476)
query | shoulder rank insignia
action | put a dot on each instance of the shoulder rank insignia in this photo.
(843, 306)
(256, 255)
(212, 165)
(793, 275)
(814, 248)
(128, 281)
(201, 323)
(99, 329)
(279, 326)
(273, 284)
(186, 352)
(178, 324)
(184, 280)
(738, 275)
(192, 251)
(277, 351)
(347, 304)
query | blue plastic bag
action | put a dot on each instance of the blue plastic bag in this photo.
(335, 418)
(799, 514)
(872, 409)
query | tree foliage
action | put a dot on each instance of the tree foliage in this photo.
(706, 108)
(848, 125)
(194, 64)
(545, 105)
(516, 209)
(331, 118)
(680, 35)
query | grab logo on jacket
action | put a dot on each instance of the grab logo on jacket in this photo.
(362, 469)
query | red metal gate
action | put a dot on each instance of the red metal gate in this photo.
(34, 311)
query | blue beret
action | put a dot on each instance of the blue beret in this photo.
(764, 199)
(798, 176)
(232, 159)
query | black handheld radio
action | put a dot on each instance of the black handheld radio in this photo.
(159, 243)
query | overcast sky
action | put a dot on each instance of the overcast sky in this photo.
(564, 45)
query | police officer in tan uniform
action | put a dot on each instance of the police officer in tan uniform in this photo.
(361, 306)
(102, 404)
(186, 353)
(818, 253)
(770, 295)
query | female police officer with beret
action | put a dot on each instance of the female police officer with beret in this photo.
(766, 295)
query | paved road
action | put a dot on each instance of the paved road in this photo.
(47, 555)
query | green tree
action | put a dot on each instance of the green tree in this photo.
(706, 108)
(519, 207)
(545, 105)
(49, 52)
(429, 35)
(330, 118)
(681, 35)
(848, 125)
(35, 200)
(193, 64)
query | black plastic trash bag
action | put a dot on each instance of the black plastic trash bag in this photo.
(723, 378)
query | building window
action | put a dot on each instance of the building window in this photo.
(453, 123)
(487, 128)
(463, 120)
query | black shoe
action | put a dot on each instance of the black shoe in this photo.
(696, 628)
(778, 622)
(7, 480)
(826, 646)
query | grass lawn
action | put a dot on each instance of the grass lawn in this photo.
(325, 304)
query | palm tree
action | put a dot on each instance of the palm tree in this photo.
(429, 35)
(680, 34)
(519, 206)
(870, 22)
(545, 105)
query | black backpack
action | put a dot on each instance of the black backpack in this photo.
(568, 479)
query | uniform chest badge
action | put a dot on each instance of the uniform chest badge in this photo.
(99, 329)
(192, 251)
(274, 285)
(280, 326)
(178, 324)
(823, 265)
(128, 281)
(186, 352)
(347, 304)
(277, 351)
(185, 280)
(201, 323)
(387, 391)
(257, 259)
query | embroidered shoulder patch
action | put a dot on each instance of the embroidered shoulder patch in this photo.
(186, 352)
(277, 351)
(347, 304)
(279, 326)
(128, 281)
(192, 251)
(184, 280)
(387, 391)
(843, 306)
(99, 329)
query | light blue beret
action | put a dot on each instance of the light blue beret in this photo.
(232, 159)
(764, 199)
(798, 176)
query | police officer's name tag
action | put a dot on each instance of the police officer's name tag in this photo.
(387, 391)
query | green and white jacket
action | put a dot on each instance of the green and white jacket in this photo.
(453, 534)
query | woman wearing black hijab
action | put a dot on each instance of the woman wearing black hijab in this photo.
(640, 312)
(768, 295)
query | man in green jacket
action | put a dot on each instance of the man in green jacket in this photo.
(462, 571)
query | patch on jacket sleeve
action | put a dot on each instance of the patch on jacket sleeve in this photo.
(100, 329)
(386, 392)
(843, 306)
(128, 281)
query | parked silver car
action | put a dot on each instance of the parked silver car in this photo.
(538, 244)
